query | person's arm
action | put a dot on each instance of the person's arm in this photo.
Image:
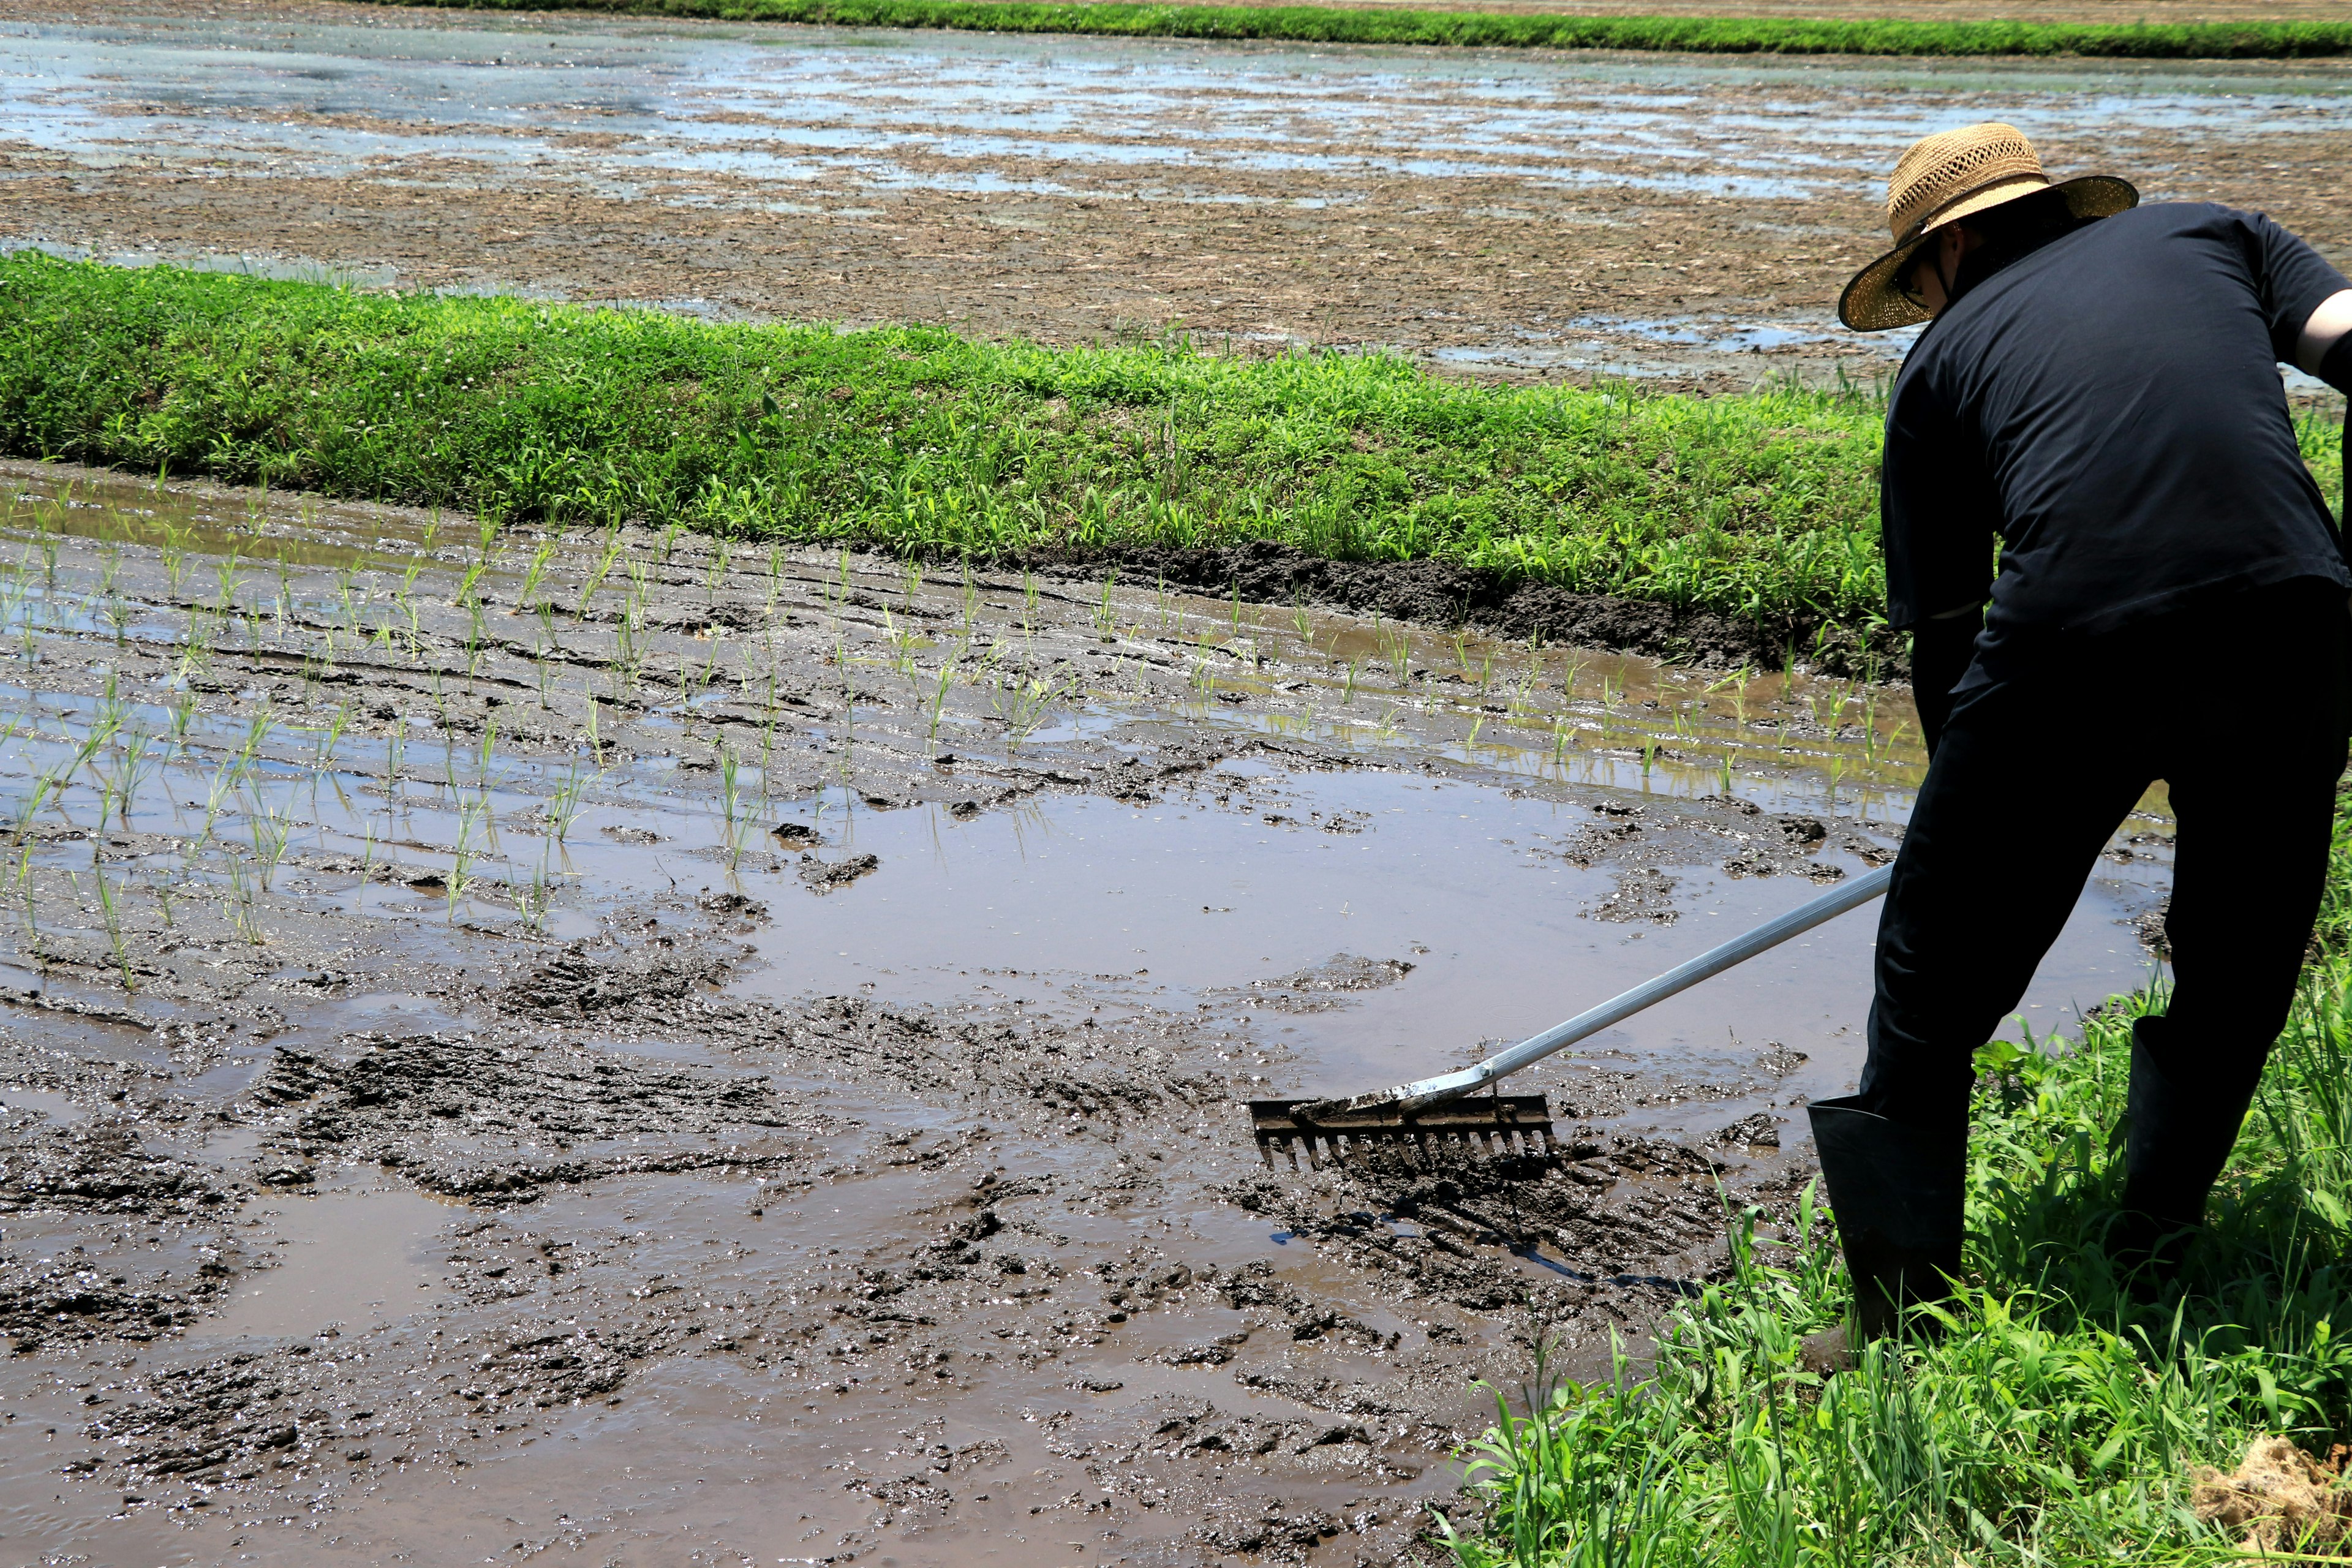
(1941, 647)
(2324, 350)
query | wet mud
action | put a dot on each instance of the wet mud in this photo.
(1497, 213)
(617, 1049)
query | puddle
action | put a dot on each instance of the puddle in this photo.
(59, 1109)
(349, 1260)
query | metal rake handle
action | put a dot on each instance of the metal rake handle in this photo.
(1429, 1092)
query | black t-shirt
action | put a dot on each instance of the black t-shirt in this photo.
(2109, 403)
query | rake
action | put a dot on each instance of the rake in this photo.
(1435, 1111)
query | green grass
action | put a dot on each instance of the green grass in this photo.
(1691, 34)
(914, 439)
(2054, 1422)
(919, 439)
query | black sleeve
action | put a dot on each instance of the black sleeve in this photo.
(1937, 508)
(2291, 280)
(1940, 651)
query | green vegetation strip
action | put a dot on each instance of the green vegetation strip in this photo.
(2054, 1420)
(1689, 35)
(1761, 507)
(920, 440)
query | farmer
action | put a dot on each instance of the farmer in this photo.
(2098, 388)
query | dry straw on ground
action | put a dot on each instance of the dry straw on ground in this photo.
(2280, 1498)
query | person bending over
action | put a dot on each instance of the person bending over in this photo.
(2098, 387)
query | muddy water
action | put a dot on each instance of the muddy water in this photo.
(1504, 212)
(500, 1056)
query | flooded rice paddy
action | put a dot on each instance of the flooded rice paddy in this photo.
(1513, 214)
(640, 1049)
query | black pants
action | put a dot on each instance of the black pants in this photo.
(2241, 707)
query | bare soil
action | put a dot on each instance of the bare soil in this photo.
(1511, 214)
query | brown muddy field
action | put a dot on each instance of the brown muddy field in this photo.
(626, 1051)
(1508, 214)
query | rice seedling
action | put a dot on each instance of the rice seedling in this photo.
(719, 553)
(532, 902)
(730, 801)
(112, 916)
(564, 804)
(135, 761)
(595, 742)
(598, 574)
(1021, 704)
(224, 577)
(462, 855)
(940, 701)
(1347, 689)
(533, 576)
(1398, 650)
(268, 829)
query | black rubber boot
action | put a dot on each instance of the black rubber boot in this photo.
(1895, 1192)
(2178, 1135)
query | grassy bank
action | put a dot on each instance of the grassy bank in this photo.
(2055, 1422)
(1760, 508)
(920, 439)
(1690, 35)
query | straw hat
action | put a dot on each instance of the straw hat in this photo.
(1946, 177)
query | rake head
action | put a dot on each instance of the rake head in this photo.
(1327, 1133)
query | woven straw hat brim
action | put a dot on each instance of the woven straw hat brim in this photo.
(1872, 302)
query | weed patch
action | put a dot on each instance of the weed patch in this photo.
(2054, 1419)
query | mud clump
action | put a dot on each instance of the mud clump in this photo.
(1324, 986)
(575, 986)
(44, 1303)
(102, 1168)
(1644, 893)
(236, 1417)
(1632, 1212)
(825, 876)
(2280, 1498)
(1760, 1130)
(391, 1098)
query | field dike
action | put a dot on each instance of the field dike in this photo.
(1732, 529)
(1471, 29)
(1725, 532)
